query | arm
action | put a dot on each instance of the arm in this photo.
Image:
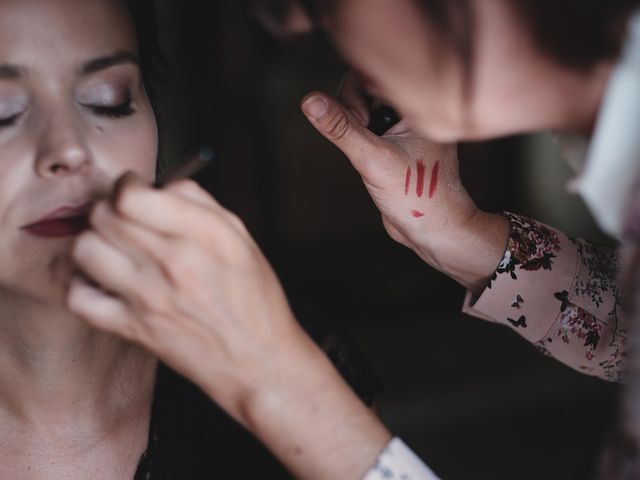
(561, 294)
(173, 271)
(569, 308)
(416, 186)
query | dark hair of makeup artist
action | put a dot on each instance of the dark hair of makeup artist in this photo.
(575, 33)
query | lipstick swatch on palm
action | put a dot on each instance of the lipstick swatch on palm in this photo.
(433, 185)
(407, 180)
(420, 172)
(420, 182)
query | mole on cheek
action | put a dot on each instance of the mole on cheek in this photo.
(99, 129)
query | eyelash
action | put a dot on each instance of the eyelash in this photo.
(125, 109)
(7, 122)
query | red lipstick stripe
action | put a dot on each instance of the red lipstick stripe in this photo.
(420, 181)
(434, 179)
(407, 181)
(417, 213)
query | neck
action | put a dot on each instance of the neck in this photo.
(55, 370)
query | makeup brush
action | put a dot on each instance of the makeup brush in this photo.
(203, 158)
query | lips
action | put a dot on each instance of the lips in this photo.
(62, 222)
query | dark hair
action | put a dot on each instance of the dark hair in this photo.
(153, 64)
(575, 33)
(578, 33)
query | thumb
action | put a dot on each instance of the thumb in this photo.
(340, 127)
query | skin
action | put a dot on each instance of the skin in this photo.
(176, 269)
(512, 88)
(74, 402)
(452, 229)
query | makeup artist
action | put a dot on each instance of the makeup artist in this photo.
(455, 70)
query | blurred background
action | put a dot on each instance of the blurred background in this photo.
(471, 398)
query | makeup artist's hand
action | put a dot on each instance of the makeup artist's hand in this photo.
(185, 280)
(176, 273)
(416, 186)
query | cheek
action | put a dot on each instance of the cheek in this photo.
(146, 147)
(31, 267)
(131, 146)
(16, 177)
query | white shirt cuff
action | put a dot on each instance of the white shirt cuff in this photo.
(398, 462)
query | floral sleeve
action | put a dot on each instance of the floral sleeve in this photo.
(561, 294)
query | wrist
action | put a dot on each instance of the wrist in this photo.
(313, 422)
(470, 252)
(299, 370)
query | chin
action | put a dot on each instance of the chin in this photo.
(49, 283)
(61, 270)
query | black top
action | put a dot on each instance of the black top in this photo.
(191, 438)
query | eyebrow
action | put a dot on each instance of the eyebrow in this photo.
(101, 63)
(12, 72)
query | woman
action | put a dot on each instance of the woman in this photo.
(480, 86)
(481, 70)
(490, 79)
(455, 70)
(76, 402)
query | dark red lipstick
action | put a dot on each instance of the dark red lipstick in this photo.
(62, 222)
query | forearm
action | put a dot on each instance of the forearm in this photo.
(560, 293)
(312, 422)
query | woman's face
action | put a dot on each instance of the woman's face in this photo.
(74, 116)
(510, 86)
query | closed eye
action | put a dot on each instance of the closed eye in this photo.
(9, 121)
(109, 110)
(125, 109)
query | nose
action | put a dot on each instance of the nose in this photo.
(62, 148)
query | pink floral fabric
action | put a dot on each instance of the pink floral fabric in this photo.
(562, 295)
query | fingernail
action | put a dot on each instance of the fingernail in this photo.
(315, 107)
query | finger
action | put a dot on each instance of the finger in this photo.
(104, 263)
(185, 187)
(164, 211)
(190, 190)
(100, 309)
(135, 240)
(339, 126)
(127, 181)
(350, 95)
